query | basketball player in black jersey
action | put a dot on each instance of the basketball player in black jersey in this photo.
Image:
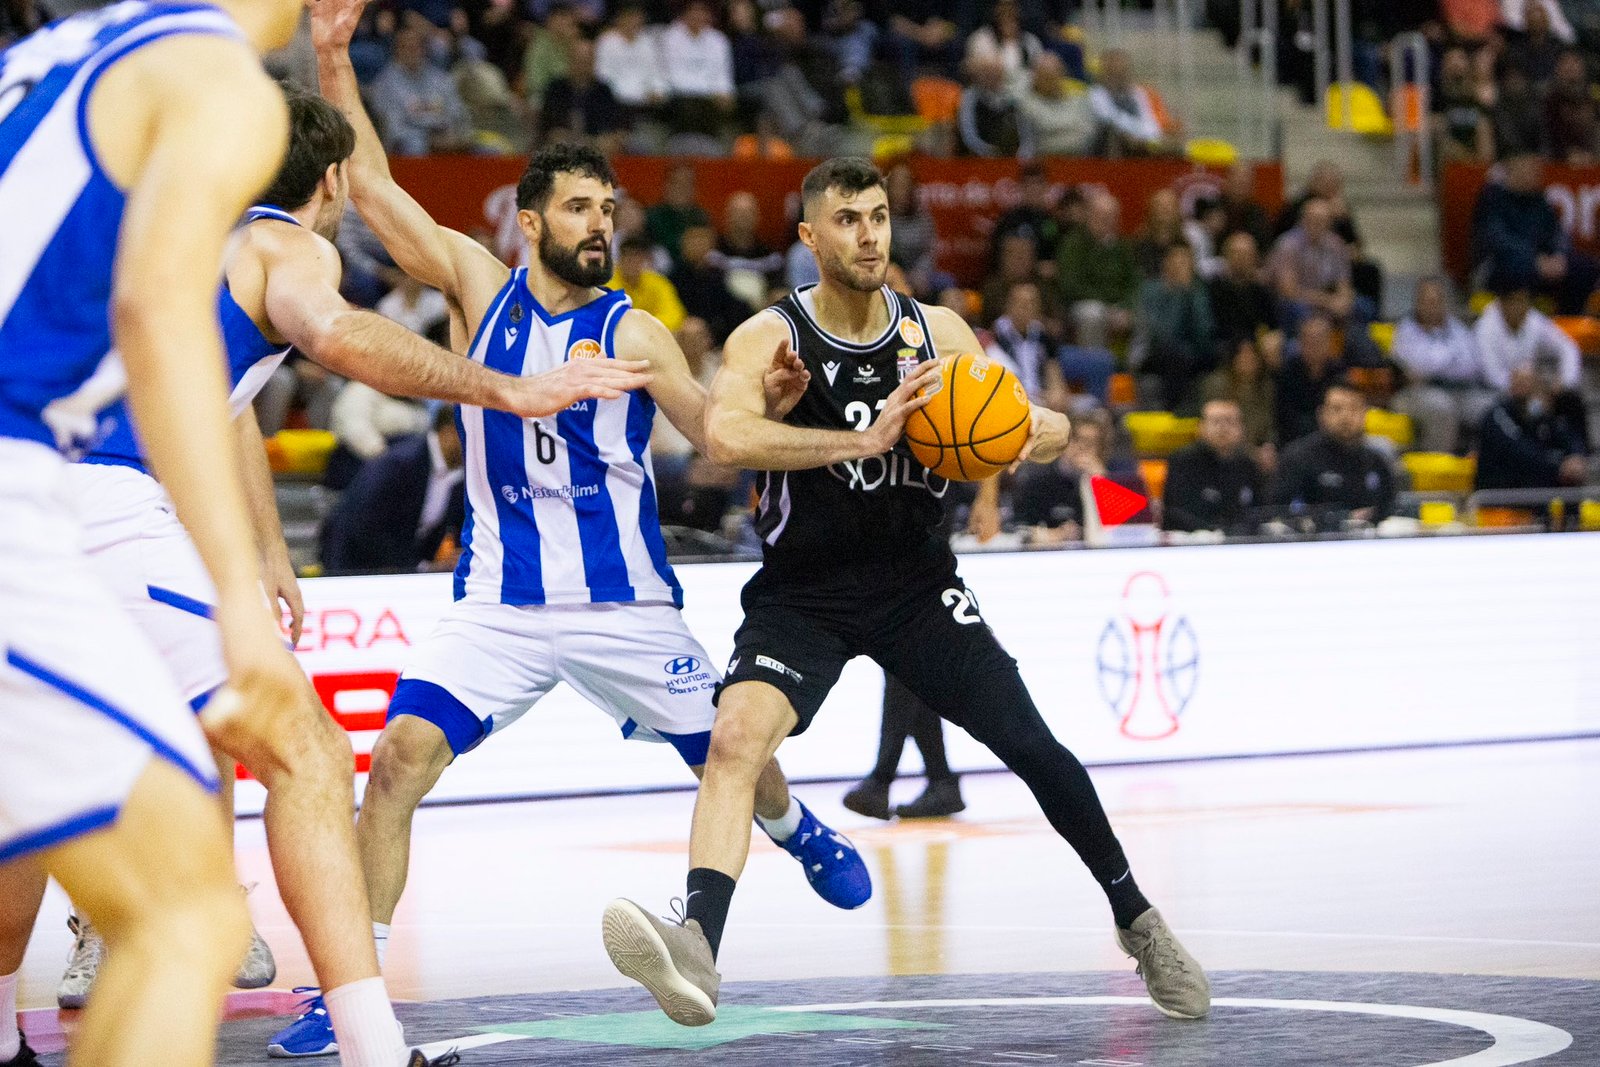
(852, 566)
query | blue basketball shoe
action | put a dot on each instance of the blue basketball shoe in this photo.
(832, 865)
(309, 1035)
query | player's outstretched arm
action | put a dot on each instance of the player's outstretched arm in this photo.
(739, 432)
(1047, 438)
(430, 253)
(192, 128)
(304, 306)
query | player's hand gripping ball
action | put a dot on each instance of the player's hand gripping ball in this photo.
(976, 423)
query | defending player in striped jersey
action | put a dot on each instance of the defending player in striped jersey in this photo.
(130, 140)
(564, 576)
(280, 287)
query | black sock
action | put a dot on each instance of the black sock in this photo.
(1127, 903)
(710, 894)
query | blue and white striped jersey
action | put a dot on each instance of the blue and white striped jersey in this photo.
(59, 211)
(251, 360)
(560, 510)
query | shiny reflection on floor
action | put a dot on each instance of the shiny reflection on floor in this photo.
(1476, 860)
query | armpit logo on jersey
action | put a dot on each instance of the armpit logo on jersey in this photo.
(888, 471)
(773, 665)
(588, 348)
(513, 494)
(687, 675)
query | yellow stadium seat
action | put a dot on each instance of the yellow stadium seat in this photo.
(302, 452)
(1211, 152)
(1391, 424)
(1159, 433)
(1367, 113)
(1382, 334)
(1479, 301)
(1440, 472)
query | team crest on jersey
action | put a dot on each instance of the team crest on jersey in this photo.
(516, 313)
(911, 333)
(588, 348)
(906, 361)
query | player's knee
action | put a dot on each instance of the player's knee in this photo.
(739, 743)
(407, 759)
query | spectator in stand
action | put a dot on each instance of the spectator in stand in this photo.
(414, 305)
(804, 95)
(629, 220)
(1528, 440)
(1536, 52)
(1571, 113)
(1326, 183)
(740, 247)
(1248, 383)
(1518, 239)
(364, 423)
(1214, 484)
(915, 239)
(369, 271)
(1004, 38)
(1017, 264)
(699, 67)
(628, 59)
(703, 287)
(1462, 129)
(1204, 231)
(1025, 342)
(920, 35)
(1174, 337)
(18, 18)
(800, 266)
(549, 54)
(850, 36)
(1471, 21)
(580, 108)
(417, 103)
(1310, 268)
(988, 121)
(1162, 228)
(1520, 15)
(1241, 305)
(1033, 218)
(1127, 116)
(1512, 334)
(755, 54)
(1061, 123)
(1097, 276)
(1310, 365)
(648, 290)
(1517, 114)
(401, 506)
(1332, 473)
(497, 114)
(679, 209)
(1049, 499)
(691, 490)
(1444, 372)
(498, 26)
(1244, 214)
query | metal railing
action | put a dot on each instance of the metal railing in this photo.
(1340, 55)
(1258, 33)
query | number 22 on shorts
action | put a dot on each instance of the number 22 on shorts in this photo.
(962, 604)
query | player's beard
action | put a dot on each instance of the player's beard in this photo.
(852, 276)
(567, 264)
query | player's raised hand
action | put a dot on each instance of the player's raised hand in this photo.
(785, 381)
(909, 396)
(577, 379)
(334, 22)
(1047, 437)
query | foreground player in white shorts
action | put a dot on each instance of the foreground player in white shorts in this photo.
(564, 575)
(129, 140)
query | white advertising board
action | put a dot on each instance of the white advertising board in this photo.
(1134, 654)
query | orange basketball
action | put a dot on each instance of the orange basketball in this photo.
(976, 424)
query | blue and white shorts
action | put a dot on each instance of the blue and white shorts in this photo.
(85, 702)
(487, 664)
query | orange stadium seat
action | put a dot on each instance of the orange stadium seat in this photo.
(937, 99)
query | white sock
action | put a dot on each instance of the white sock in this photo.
(363, 1021)
(783, 827)
(380, 939)
(10, 1042)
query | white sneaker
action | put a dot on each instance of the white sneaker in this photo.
(259, 968)
(87, 953)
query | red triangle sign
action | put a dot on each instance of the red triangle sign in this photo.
(1116, 503)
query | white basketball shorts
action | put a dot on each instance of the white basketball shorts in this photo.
(143, 554)
(85, 702)
(486, 664)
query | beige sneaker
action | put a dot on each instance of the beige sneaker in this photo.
(1176, 983)
(670, 958)
(259, 968)
(84, 964)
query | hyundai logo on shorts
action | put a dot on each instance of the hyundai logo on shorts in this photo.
(683, 665)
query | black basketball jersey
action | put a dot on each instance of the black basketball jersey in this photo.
(879, 513)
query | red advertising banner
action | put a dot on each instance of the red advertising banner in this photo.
(1573, 191)
(964, 197)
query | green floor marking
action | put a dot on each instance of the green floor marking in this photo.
(651, 1029)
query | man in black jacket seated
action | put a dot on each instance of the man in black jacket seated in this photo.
(1214, 483)
(1528, 441)
(1333, 473)
(398, 509)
